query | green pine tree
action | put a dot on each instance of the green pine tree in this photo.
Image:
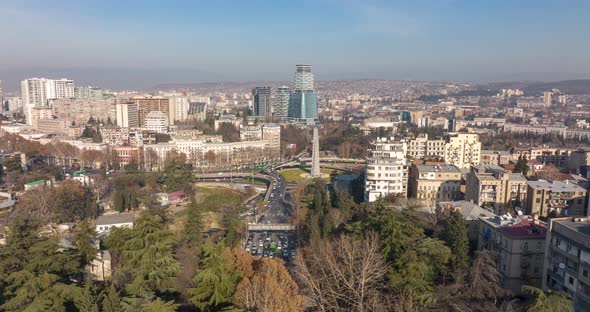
(111, 302)
(216, 281)
(455, 234)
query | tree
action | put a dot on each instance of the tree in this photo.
(176, 176)
(194, 226)
(83, 241)
(111, 302)
(73, 201)
(149, 257)
(345, 274)
(267, 286)
(455, 234)
(548, 301)
(159, 305)
(522, 165)
(216, 281)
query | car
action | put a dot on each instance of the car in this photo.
(247, 248)
(292, 252)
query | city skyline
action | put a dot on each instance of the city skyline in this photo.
(192, 43)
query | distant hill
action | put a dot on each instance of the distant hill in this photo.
(580, 86)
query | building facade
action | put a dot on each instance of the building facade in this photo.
(519, 244)
(303, 103)
(386, 171)
(127, 115)
(462, 149)
(36, 92)
(567, 259)
(261, 101)
(283, 95)
(564, 198)
(435, 183)
(156, 121)
(494, 187)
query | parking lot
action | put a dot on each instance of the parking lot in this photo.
(271, 244)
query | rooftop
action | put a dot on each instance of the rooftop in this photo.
(524, 229)
(437, 168)
(468, 210)
(115, 219)
(556, 186)
(582, 226)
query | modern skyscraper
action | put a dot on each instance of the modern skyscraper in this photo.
(303, 78)
(36, 92)
(261, 101)
(303, 103)
(282, 101)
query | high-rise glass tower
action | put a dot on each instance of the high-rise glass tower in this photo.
(261, 101)
(282, 101)
(303, 103)
(303, 78)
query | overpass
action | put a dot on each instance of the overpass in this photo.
(270, 227)
(223, 175)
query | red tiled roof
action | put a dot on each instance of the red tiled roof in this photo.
(524, 229)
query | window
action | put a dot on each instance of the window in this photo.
(584, 273)
(536, 270)
(571, 280)
(539, 245)
(538, 259)
(538, 200)
(526, 246)
(580, 201)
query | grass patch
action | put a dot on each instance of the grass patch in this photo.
(216, 198)
(293, 175)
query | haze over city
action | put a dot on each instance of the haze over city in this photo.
(295, 156)
(139, 44)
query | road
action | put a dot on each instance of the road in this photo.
(277, 210)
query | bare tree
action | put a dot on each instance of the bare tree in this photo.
(346, 274)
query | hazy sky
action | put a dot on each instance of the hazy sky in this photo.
(130, 43)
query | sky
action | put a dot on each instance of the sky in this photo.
(141, 43)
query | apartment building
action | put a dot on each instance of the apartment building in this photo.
(567, 259)
(145, 105)
(564, 198)
(462, 149)
(127, 115)
(496, 158)
(422, 147)
(494, 187)
(519, 243)
(434, 183)
(387, 170)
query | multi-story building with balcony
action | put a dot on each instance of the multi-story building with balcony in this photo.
(462, 149)
(421, 147)
(564, 198)
(519, 243)
(494, 187)
(434, 183)
(567, 259)
(387, 170)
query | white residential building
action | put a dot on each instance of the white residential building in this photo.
(36, 91)
(105, 223)
(156, 121)
(127, 115)
(463, 150)
(386, 171)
